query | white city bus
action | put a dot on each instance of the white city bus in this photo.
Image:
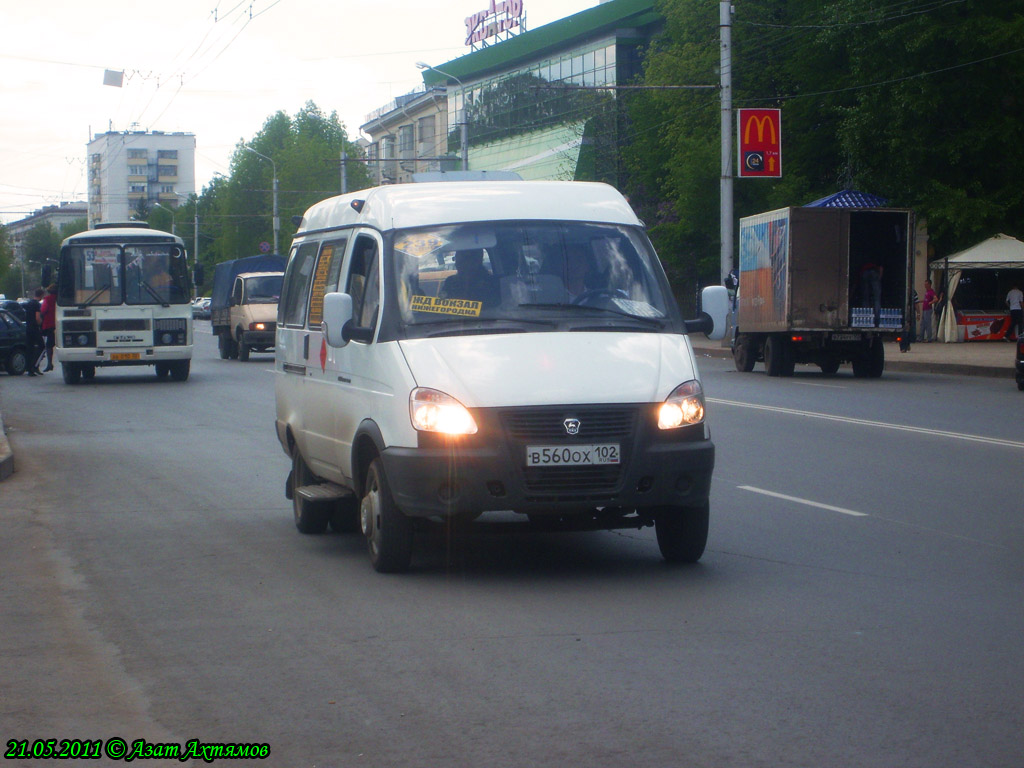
(123, 298)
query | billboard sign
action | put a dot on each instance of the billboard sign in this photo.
(759, 134)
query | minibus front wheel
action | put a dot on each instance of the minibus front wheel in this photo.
(388, 532)
(682, 532)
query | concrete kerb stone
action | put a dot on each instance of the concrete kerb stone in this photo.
(6, 455)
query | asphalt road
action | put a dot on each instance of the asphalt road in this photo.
(859, 604)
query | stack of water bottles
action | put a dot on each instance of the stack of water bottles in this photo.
(862, 317)
(891, 317)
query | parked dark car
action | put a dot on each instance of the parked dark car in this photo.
(14, 308)
(1020, 362)
(13, 344)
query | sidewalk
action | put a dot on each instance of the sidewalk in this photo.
(972, 358)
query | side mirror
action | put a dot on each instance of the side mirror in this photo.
(714, 314)
(337, 315)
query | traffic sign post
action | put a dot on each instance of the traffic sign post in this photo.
(759, 139)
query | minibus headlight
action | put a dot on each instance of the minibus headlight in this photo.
(684, 407)
(434, 411)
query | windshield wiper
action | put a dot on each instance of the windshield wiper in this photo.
(95, 296)
(655, 321)
(153, 293)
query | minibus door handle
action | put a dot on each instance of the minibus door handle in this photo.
(305, 347)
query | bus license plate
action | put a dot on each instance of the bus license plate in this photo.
(572, 455)
(124, 355)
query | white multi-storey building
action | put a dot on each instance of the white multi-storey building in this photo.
(129, 169)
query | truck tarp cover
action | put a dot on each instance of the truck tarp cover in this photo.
(224, 275)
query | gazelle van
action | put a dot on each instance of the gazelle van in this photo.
(450, 349)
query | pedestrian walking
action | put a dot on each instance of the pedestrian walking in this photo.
(48, 323)
(1015, 301)
(928, 303)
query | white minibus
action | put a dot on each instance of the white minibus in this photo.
(450, 349)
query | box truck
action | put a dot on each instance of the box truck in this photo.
(824, 286)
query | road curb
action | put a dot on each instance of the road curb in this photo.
(6, 455)
(893, 363)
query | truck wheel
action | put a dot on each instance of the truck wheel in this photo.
(388, 532)
(870, 364)
(743, 355)
(876, 360)
(682, 532)
(71, 372)
(310, 517)
(243, 349)
(224, 346)
(17, 362)
(179, 369)
(773, 355)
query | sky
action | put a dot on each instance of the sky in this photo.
(215, 68)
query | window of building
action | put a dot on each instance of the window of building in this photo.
(425, 128)
(405, 139)
(136, 170)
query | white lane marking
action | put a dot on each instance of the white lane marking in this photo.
(854, 513)
(808, 502)
(869, 423)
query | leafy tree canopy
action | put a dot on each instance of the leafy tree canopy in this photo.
(919, 102)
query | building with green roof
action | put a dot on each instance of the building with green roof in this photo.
(541, 103)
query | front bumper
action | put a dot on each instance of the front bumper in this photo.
(488, 472)
(123, 355)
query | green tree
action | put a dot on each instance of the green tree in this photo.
(305, 152)
(10, 278)
(919, 102)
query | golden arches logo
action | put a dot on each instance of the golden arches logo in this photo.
(762, 122)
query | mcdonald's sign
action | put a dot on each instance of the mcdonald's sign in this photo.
(759, 134)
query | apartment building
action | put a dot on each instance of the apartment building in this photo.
(130, 171)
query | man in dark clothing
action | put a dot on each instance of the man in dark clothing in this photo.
(34, 331)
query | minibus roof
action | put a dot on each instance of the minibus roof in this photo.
(402, 206)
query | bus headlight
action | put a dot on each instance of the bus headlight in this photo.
(433, 411)
(684, 407)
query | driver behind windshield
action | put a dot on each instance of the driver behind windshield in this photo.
(471, 281)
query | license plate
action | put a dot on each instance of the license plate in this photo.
(845, 337)
(572, 455)
(124, 355)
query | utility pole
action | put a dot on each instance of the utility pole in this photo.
(344, 170)
(725, 226)
(277, 219)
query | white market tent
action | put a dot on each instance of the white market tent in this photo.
(999, 252)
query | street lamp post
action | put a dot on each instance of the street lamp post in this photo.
(158, 205)
(195, 233)
(277, 220)
(463, 125)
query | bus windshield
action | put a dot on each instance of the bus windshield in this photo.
(108, 275)
(534, 272)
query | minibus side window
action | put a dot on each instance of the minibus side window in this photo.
(292, 310)
(326, 279)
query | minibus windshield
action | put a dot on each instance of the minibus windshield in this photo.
(527, 271)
